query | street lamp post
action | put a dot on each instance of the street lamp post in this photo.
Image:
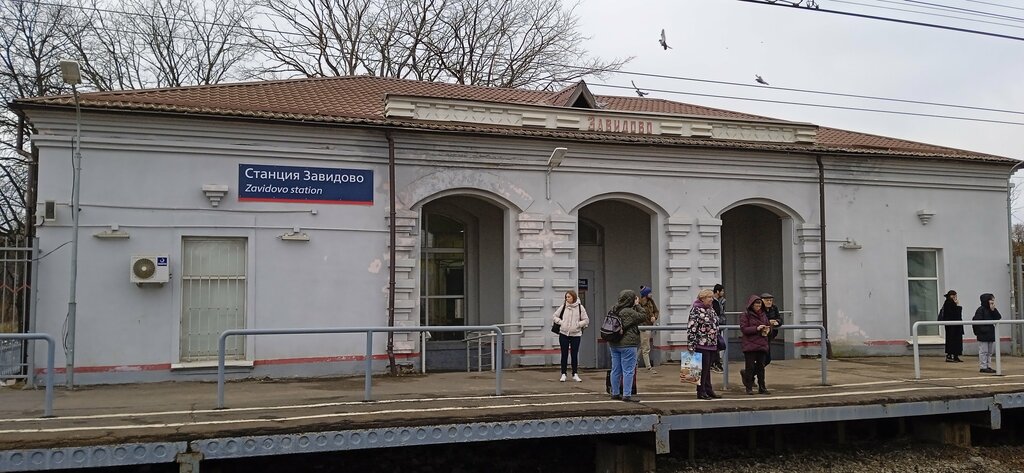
(70, 73)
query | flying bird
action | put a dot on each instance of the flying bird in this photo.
(759, 80)
(638, 91)
(662, 41)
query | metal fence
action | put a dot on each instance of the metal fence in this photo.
(50, 347)
(725, 353)
(16, 307)
(369, 331)
(997, 323)
(481, 353)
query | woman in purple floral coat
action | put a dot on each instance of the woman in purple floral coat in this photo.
(702, 337)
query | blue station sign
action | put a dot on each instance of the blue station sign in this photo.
(266, 183)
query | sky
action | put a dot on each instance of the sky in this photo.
(731, 41)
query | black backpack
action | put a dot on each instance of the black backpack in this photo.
(611, 327)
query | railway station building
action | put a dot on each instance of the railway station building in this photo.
(269, 205)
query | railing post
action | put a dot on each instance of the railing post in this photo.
(50, 348)
(917, 351)
(824, 357)
(220, 368)
(1017, 331)
(498, 365)
(725, 360)
(999, 359)
(367, 395)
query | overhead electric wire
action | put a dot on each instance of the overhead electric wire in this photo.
(953, 16)
(816, 105)
(968, 10)
(297, 48)
(995, 4)
(919, 12)
(672, 77)
(807, 91)
(895, 20)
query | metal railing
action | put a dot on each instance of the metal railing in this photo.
(921, 323)
(369, 331)
(479, 336)
(787, 316)
(821, 338)
(50, 347)
(725, 353)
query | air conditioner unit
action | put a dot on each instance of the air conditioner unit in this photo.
(150, 269)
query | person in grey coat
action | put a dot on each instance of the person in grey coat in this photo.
(986, 333)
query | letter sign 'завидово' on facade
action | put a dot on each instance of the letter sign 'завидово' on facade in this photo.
(266, 183)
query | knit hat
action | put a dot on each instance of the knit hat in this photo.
(645, 291)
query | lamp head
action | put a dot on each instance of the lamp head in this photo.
(70, 72)
(556, 157)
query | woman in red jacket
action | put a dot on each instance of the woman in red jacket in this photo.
(755, 327)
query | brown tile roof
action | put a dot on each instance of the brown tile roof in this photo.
(360, 100)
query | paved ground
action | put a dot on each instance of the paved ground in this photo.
(165, 412)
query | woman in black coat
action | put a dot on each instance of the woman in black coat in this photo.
(951, 311)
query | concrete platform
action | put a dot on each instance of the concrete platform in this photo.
(151, 423)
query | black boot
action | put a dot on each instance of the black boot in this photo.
(760, 383)
(957, 359)
(748, 381)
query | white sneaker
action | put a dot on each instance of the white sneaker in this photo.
(576, 378)
(562, 379)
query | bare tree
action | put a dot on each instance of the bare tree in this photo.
(503, 43)
(33, 42)
(163, 43)
(1018, 239)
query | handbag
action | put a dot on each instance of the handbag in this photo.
(556, 328)
(721, 341)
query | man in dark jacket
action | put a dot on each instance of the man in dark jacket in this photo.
(775, 318)
(986, 333)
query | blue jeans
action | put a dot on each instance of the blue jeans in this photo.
(623, 370)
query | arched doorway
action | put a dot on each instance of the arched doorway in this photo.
(754, 261)
(462, 274)
(614, 253)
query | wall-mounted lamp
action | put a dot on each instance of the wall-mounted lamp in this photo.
(295, 235)
(553, 162)
(215, 192)
(114, 232)
(850, 245)
(925, 215)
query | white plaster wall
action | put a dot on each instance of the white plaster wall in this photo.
(156, 167)
(867, 288)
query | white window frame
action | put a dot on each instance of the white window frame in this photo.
(937, 253)
(236, 346)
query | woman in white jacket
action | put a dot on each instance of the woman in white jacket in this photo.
(572, 319)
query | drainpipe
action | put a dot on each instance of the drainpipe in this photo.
(824, 272)
(1017, 331)
(391, 248)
